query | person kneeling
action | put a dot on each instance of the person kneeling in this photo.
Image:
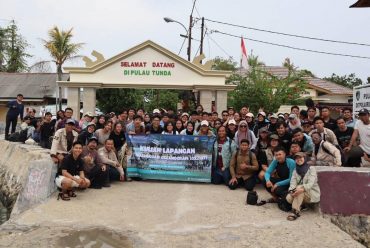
(278, 184)
(71, 174)
(304, 187)
(109, 158)
(243, 167)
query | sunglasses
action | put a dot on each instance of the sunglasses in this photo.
(243, 126)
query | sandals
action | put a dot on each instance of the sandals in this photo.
(64, 196)
(263, 202)
(71, 193)
(294, 215)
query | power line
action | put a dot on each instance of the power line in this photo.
(291, 47)
(223, 50)
(287, 34)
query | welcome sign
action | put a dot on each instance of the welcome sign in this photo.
(170, 157)
(145, 68)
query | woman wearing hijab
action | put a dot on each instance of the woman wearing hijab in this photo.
(244, 133)
(304, 187)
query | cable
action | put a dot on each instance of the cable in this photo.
(286, 34)
(291, 47)
(223, 50)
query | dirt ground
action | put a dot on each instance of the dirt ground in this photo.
(169, 214)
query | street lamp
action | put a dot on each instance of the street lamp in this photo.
(168, 20)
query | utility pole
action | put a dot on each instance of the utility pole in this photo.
(189, 37)
(201, 37)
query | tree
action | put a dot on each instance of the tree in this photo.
(13, 55)
(261, 89)
(349, 81)
(61, 49)
(224, 64)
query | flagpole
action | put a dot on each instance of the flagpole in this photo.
(241, 57)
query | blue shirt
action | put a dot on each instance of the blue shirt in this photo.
(15, 109)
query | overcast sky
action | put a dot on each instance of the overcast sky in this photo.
(113, 26)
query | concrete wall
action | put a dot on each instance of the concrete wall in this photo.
(344, 191)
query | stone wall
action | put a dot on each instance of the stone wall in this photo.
(15, 160)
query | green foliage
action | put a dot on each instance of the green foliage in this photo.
(222, 64)
(116, 100)
(61, 47)
(260, 89)
(349, 81)
(12, 50)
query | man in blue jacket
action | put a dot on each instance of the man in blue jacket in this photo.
(278, 174)
(16, 108)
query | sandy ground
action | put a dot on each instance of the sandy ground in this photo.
(166, 214)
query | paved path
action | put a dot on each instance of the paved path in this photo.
(162, 214)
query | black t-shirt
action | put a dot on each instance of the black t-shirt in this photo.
(285, 141)
(331, 124)
(344, 138)
(282, 170)
(118, 139)
(71, 165)
(150, 129)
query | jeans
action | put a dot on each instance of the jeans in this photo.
(113, 173)
(353, 157)
(219, 176)
(248, 183)
(280, 191)
(98, 177)
(10, 121)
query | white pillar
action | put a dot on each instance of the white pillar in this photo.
(221, 100)
(206, 100)
(73, 101)
(89, 100)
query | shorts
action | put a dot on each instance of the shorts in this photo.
(59, 179)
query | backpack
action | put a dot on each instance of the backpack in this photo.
(20, 136)
(336, 146)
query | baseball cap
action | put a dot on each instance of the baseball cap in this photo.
(306, 123)
(274, 116)
(262, 113)
(249, 115)
(232, 121)
(91, 124)
(263, 129)
(292, 116)
(204, 123)
(281, 115)
(183, 114)
(70, 121)
(299, 154)
(89, 114)
(363, 111)
(93, 138)
(274, 137)
(156, 111)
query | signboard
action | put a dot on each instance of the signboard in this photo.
(170, 157)
(361, 98)
(145, 68)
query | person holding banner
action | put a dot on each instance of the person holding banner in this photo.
(223, 150)
(169, 129)
(155, 127)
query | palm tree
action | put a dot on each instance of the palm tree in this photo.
(61, 49)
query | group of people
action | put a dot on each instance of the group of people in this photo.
(279, 151)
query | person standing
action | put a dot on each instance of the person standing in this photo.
(16, 108)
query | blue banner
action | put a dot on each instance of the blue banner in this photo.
(170, 157)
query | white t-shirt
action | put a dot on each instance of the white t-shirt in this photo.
(364, 134)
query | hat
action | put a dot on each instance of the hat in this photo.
(263, 129)
(299, 154)
(363, 111)
(91, 124)
(93, 138)
(70, 121)
(183, 114)
(89, 114)
(292, 116)
(243, 122)
(204, 123)
(274, 137)
(274, 116)
(305, 122)
(232, 121)
(156, 111)
(262, 113)
(249, 115)
(281, 115)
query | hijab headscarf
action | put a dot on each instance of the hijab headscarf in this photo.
(302, 169)
(243, 135)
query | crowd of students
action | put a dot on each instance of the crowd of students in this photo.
(279, 151)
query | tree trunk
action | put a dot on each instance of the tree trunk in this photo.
(60, 96)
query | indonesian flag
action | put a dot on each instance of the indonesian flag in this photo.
(244, 61)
